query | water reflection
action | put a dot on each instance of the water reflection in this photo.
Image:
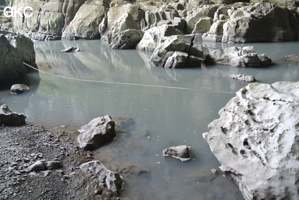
(162, 116)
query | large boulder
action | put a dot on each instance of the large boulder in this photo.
(86, 21)
(153, 36)
(115, 14)
(8, 117)
(202, 11)
(124, 33)
(261, 22)
(96, 132)
(238, 57)
(11, 63)
(256, 140)
(179, 51)
(101, 182)
(24, 46)
(127, 39)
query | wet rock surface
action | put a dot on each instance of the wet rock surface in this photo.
(18, 88)
(256, 138)
(181, 152)
(242, 77)
(96, 132)
(8, 117)
(238, 57)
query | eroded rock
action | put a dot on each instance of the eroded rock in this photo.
(102, 180)
(256, 140)
(96, 132)
(181, 152)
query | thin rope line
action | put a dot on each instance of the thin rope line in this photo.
(112, 82)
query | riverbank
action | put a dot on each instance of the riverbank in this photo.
(21, 146)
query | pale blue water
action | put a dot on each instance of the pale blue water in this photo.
(163, 116)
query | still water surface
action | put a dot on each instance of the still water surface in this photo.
(168, 107)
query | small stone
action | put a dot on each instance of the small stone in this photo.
(53, 165)
(18, 88)
(37, 166)
(181, 152)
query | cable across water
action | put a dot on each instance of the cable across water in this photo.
(112, 82)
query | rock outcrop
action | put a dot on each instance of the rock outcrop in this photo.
(96, 132)
(181, 152)
(256, 140)
(179, 51)
(261, 22)
(8, 117)
(153, 36)
(101, 182)
(239, 57)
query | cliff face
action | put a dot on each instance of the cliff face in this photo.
(48, 20)
(225, 21)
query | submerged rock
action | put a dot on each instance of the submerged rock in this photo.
(96, 132)
(242, 77)
(291, 58)
(256, 140)
(181, 152)
(18, 88)
(71, 49)
(238, 57)
(102, 181)
(8, 117)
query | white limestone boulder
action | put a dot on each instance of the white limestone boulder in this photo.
(256, 140)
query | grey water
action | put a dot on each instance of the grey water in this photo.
(168, 107)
